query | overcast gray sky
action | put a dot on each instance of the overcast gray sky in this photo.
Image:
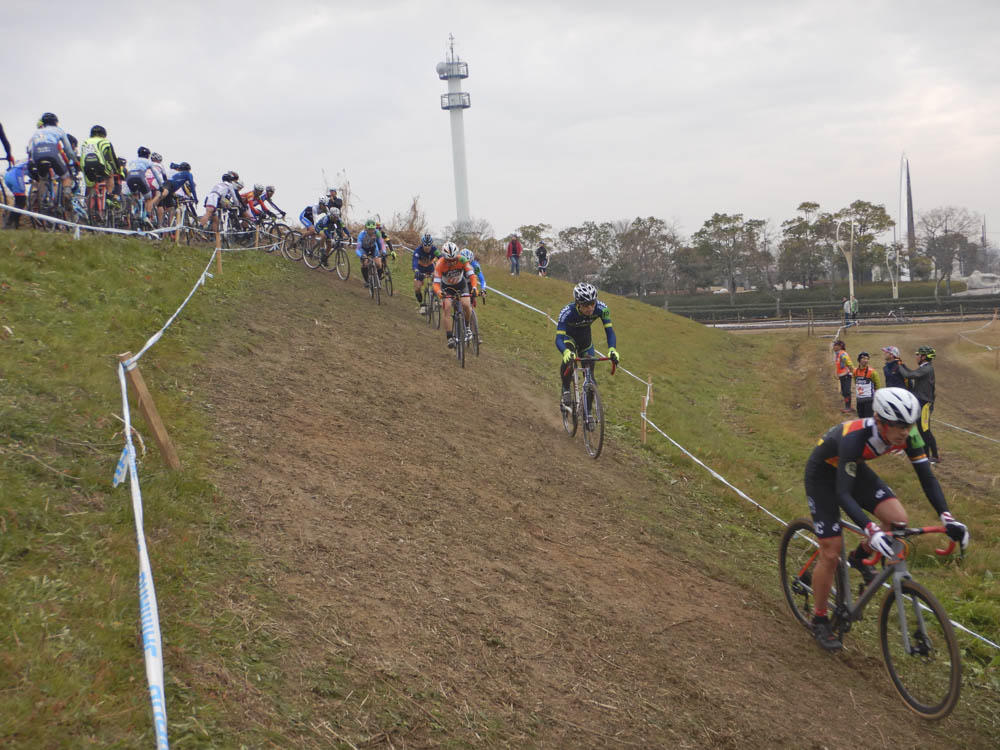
(581, 110)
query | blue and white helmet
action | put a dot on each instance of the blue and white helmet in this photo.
(896, 405)
(466, 255)
(585, 293)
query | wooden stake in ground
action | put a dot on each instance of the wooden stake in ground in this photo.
(149, 412)
(642, 418)
(256, 237)
(218, 252)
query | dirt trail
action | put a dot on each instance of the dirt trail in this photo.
(427, 527)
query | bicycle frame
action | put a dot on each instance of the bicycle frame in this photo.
(896, 569)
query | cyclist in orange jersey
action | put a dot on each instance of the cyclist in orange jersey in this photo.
(453, 273)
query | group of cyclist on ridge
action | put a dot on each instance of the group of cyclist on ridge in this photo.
(53, 155)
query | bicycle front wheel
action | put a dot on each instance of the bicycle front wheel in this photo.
(928, 672)
(312, 252)
(341, 263)
(435, 312)
(569, 416)
(797, 560)
(458, 330)
(593, 425)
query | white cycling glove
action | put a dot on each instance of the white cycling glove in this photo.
(879, 541)
(956, 530)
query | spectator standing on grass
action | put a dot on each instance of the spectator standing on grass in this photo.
(846, 305)
(922, 385)
(854, 309)
(866, 380)
(514, 250)
(893, 378)
(843, 367)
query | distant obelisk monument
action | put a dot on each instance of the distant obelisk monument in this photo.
(455, 101)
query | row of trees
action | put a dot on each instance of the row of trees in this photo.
(648, 255)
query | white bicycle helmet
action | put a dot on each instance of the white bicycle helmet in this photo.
(450, 250)
(466, 254)
(335, 212)
(585, 293)
(896, 405)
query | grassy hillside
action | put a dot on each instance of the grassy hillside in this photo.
(72, 662)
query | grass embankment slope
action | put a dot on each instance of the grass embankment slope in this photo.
(345, 559)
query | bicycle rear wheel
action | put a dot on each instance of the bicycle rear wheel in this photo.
(474, 326)
(797, 560)
(435, 318)
(593, 425)
(388, 277)
(928, 675)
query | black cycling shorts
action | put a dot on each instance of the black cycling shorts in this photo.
(821, 492)
(136, 182)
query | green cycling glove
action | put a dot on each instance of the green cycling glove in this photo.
(567, 356)
(613, 355)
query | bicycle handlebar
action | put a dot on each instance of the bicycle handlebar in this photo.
(588, 360)
(903, 533)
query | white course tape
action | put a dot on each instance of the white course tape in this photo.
(156, 336)
(962, 429)
(152, 643)
(77, 227)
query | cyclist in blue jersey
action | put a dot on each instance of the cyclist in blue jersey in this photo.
(14, 182)
(423, 267)
(469, 257)
(371, 245)
(50, 148)
(573, 332)
(311, 214)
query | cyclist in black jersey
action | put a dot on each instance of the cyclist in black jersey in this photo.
(837, 476)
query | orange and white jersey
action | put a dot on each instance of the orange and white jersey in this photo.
(452, 272)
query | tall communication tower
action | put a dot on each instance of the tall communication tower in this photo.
(453, 71)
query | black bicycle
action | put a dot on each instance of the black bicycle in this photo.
(466, 336)
(373, 283)
(431, 303)
(918, 642)
(585, 405)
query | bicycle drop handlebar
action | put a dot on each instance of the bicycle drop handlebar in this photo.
(589, 360)
(903, 533)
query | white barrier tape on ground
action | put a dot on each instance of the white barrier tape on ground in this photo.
(987, 324)
(77, 227)
(962, 429)
(523, 304)
(714, 473)
(156, 336)
(152, 642)
(750, 500)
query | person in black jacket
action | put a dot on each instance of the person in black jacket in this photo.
(921, 382)
(891, 368)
